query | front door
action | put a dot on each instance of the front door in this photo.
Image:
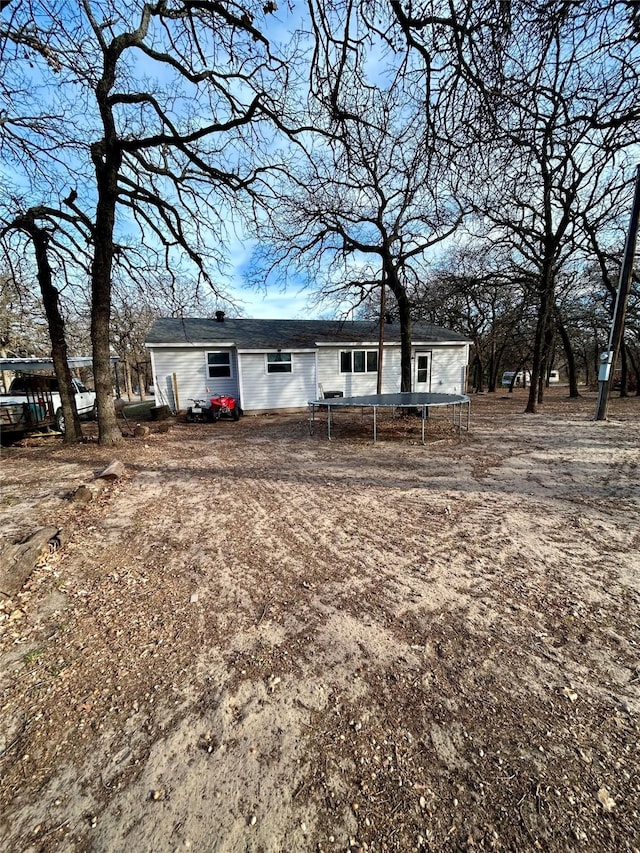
(422, 379)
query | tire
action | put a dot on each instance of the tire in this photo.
(190, 417)
(209, 416)
(60, 425)
(236, 413)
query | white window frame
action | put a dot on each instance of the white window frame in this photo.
(351, 353)
(208, 365)
(268, 364)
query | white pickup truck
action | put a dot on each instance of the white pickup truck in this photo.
(33, 402)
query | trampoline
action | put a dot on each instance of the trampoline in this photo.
(459, 405)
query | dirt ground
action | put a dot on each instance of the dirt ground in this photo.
(259, 640)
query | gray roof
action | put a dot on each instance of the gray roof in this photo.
(292, 334)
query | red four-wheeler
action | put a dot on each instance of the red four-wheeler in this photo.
(218, 406)
(225, 407)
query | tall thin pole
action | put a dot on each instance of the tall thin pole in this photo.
(608, 359)
(383, 303)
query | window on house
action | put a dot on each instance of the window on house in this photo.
(218, 364)
(359, 361)
(279, 362)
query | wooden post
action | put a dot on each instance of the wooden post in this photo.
(175, 392)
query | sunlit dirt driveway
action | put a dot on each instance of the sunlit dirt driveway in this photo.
(258, 640)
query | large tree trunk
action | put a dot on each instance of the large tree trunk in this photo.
(541, 341)
(635, 365)
(55, 323)
(107, 159)
(492, 368)
(404, 312)
(536, 366)
(571, 361)
(108, 430)
(478, 378)
(548, 348)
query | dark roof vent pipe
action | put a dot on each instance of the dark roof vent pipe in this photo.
(220, 316)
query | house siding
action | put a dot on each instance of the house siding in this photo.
(448, 369)
(190, 368)
(262, 391)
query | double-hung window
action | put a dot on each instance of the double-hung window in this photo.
(359, 361)
(218, 364)
(278, 362)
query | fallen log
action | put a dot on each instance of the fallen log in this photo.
(20, 559)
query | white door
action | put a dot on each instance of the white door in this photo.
(422, 378)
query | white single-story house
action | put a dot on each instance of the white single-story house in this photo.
(271, 365)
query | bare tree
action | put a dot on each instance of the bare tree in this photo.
(54, 236)
(157, 112)
(550, 92)
(481, 293)
(377, 193)
(556, 109)
(23, 331)
(135, 308)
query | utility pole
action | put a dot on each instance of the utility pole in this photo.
(608, 359)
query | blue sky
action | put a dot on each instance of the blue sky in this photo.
(279, 302)
(274, 306)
